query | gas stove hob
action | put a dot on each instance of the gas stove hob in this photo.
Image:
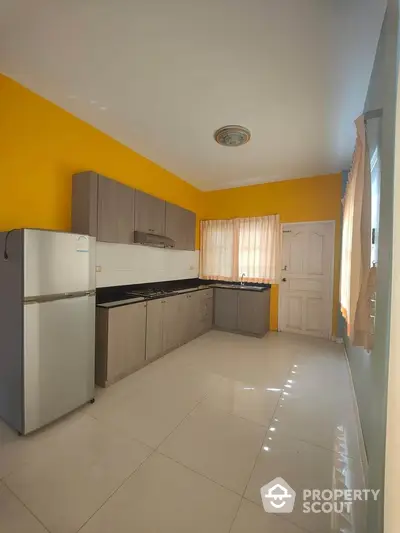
(150, 293)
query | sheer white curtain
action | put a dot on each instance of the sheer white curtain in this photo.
(259, 248)
(356, 276)
(217, 249)
(249, 246)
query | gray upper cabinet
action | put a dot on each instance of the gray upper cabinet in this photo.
(84, 203)
(102, 208)
(180, 225)
(111, 212)
(226, 309)
(149, 213)
(115, 214)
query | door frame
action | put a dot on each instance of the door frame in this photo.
(329, 223)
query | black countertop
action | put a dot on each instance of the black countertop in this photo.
(116, 296)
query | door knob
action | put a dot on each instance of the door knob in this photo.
(284, 279)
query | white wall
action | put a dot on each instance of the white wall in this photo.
(125, 264)
(392, 466)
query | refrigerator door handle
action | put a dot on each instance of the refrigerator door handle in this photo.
(55, 297)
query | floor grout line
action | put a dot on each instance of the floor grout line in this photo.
(24, 504)
(200, 474)
(181, 422)
(301, 528)
(255, 461)
(116, 489)
(154, 450)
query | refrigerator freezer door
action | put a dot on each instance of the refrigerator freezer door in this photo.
(58, 263)
(59, 350)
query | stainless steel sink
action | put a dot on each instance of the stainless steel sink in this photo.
(238, 286)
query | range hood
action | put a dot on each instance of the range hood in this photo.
(150, 239)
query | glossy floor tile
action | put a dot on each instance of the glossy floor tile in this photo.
(246, 400)
(75, 474)
(14, 516)
(164, 496)
(302, 465)
(252, 519)
(186, 443)
(218, 445)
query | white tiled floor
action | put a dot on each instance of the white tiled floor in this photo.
(185, 444)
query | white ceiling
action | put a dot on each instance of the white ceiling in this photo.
(170, 72)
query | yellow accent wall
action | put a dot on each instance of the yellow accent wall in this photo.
(41, 146)
(299, 200)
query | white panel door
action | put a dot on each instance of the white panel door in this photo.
(306, 287)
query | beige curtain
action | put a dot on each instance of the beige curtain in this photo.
(357, 281)
(217, 249)
(259, 248)
(249, 246)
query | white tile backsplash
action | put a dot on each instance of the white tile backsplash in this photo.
(125, 264)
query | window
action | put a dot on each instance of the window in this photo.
(375, 203)
(216, 257)
(242, 247)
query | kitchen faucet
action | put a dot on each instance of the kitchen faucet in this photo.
(241, 278)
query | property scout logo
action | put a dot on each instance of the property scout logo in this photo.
(279, 497)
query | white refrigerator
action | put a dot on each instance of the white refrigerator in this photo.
(47, 325)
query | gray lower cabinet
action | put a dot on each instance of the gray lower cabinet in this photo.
(173, 324)
(129, 336)
(226, 309)
(155, 329)
(242, 311)
(176, 320)
(173, 321)
(180, 225)
(201, 312)
(120, 341)
(149, 213)
(253, 312)
(207, 310)
(190, 317)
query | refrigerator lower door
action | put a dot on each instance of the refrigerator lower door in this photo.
(59, 351)
(58, 263)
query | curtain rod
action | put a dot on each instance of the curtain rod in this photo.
(235, 218)
(375, 113)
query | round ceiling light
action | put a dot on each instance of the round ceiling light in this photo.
(232, 135)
